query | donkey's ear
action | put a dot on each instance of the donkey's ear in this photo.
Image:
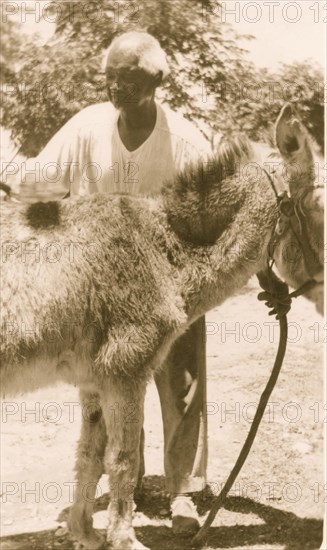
(294, 145)
(290, 135)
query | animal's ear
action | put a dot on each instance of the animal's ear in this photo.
(291, 136)
(294, 145)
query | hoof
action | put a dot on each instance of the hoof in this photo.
(93, 541)
(90, 540)
(80, 527)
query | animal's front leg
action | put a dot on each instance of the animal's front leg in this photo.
(122, 404)
(89, 468)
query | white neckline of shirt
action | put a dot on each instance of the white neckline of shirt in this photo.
(136, 151)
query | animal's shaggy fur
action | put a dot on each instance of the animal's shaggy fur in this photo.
(97, 289)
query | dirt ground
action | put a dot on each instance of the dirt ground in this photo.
(277, 502)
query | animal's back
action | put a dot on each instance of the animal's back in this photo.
(97, 264)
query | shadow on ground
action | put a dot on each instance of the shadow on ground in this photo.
(280, 528)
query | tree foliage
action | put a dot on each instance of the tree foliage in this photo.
(62, 77)
(253, 105)
(208, 69)
(11, 43)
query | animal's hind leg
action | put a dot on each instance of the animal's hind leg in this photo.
(122, 456)
(89, 468)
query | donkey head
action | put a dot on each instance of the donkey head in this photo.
(299, 256)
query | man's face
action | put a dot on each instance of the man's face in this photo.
(129, 87)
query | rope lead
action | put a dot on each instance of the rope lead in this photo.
(277, 297)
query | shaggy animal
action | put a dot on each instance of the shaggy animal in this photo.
(97, 289)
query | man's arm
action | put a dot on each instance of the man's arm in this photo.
(48, 176)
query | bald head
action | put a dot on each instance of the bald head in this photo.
(137, 50)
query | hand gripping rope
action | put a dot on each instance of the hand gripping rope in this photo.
(277, 296)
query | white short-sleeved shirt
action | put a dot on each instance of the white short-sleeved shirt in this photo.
(87, 155)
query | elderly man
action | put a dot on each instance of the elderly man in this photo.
(132, 144)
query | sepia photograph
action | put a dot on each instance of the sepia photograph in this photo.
(162, 227)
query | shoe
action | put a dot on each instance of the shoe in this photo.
(185, 519)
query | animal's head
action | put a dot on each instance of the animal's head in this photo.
(299, 257)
